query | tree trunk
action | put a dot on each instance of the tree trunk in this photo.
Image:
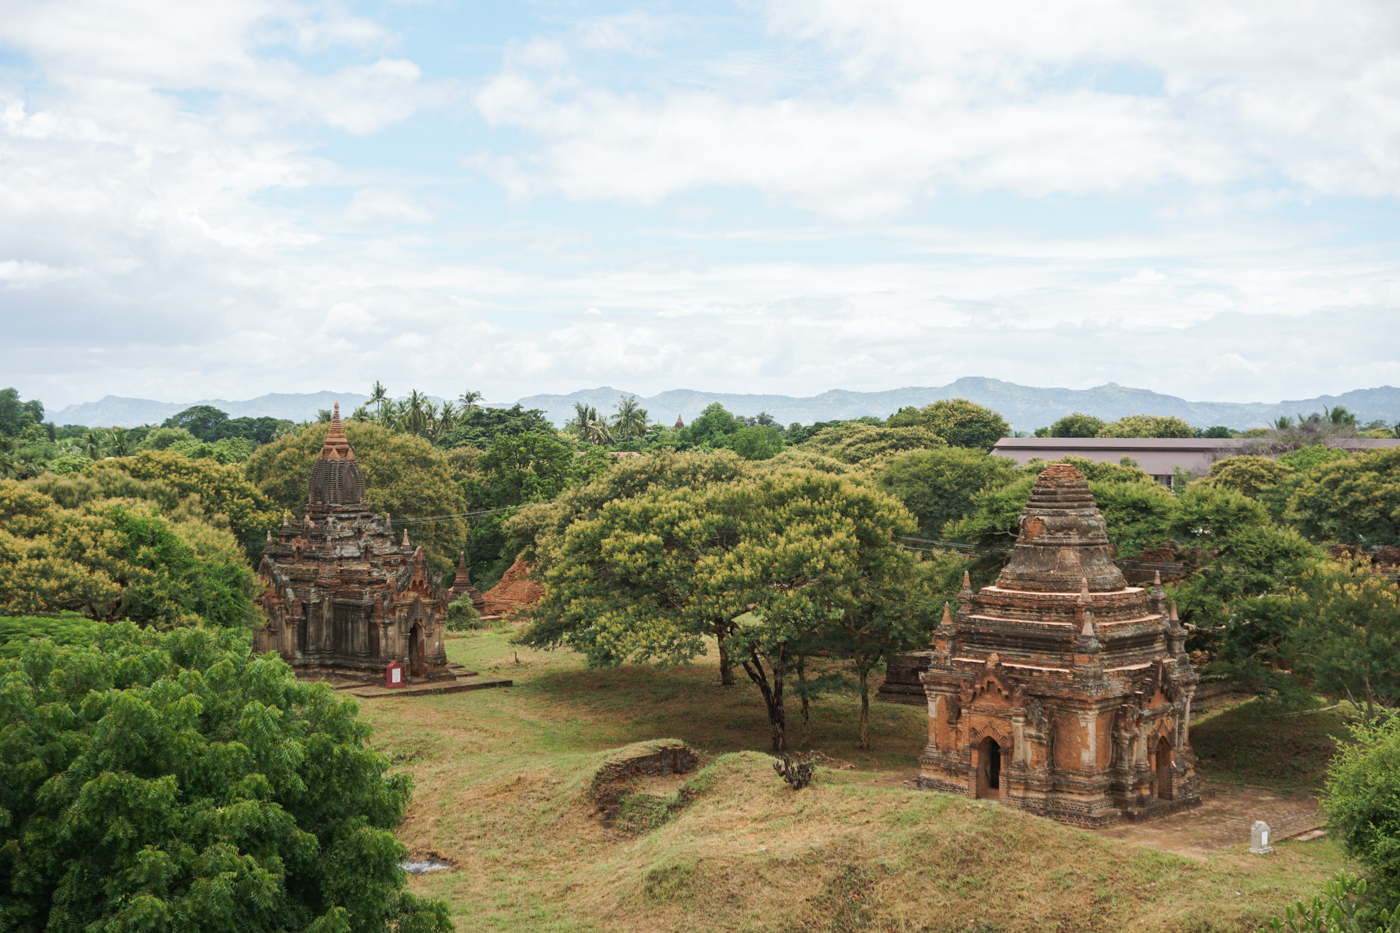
(726, 663)
(864, 707)
(806, 703)
(772, 693)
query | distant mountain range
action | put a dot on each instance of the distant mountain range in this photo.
(1026, 407)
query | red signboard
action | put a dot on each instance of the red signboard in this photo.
(393, 674)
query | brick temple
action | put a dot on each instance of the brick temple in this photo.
(342, 596)
(1060, 689)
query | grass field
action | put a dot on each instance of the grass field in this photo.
(503, 781)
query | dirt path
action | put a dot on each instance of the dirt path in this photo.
(1223, 820)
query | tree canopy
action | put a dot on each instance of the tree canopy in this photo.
(1075, 425)
(119, 557)
(177, 782)
(1148, 426)
(938, 485)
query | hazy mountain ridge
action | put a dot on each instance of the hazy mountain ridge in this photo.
(1026, 407)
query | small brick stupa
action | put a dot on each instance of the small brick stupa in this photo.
(342, 596)
(1060, 689)
(462, 585)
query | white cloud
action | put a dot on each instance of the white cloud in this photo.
(1010, 95)
(386, 204)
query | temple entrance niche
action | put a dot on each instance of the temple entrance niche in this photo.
(1164, 768)
(989, 769)
(418, 651)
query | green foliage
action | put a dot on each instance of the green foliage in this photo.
(1246, 474)
(202, 421)
(405, 475)
(119, 559)
(713, 428)
(857, 442)
(1340, 908)
(1075, 425)
(480, 427)
(1148, 426)
(1346, 632)
(938, 486)
(178, 782)
(223, 490)
(165, 438)
(961, 423)
(16, 415)
(1362, 800)
(64, 630)
(1354, 500)
(1306, 459)
(462, 615)
(757, 442)
(791, 553)
(1218, 431)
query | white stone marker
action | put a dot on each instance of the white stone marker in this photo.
(1259, 839)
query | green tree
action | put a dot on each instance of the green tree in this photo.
(1075, 425)
(119, 559)
(1148, 426)
(631, 419)
(1246, 474)
(960, 422)
(202, 421)
(405, 476)
(1362, 801)
(223, 490)
(1346, 633)
(714, 427)
(757, 442)
(938, 485)
(179, 782)
(479, 427)
(780, 558)
(1355, 500)
(857, 443)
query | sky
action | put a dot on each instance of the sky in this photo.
(226, 199)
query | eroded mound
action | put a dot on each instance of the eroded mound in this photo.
(641, 784)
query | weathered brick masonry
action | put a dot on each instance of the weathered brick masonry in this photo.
(342, 596)
(1060, 689)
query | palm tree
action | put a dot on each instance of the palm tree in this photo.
(415, 413)
(446, 421)
(630, 420)
(378, 396)
(469, 400)
(588, 426)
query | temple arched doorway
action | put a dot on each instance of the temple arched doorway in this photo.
(417, 651)
(1164, 768)
(989, 769)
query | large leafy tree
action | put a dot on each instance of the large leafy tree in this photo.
(963, 423)
(203, 421)
(938, 485)
(1075, 425)
(781, 558)
(405, 475)
(857, 442)
(1148, 426)
(119, 557)
(479, 427)
(1354, 500)
(1247, 474)
(223, 490)
(180, 783)
(16, 414)
(1346, 633)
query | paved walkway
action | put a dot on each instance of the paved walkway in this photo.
(1223, 819)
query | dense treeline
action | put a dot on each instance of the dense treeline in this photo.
(804, 555)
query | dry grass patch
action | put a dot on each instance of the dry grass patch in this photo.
(504, 782)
